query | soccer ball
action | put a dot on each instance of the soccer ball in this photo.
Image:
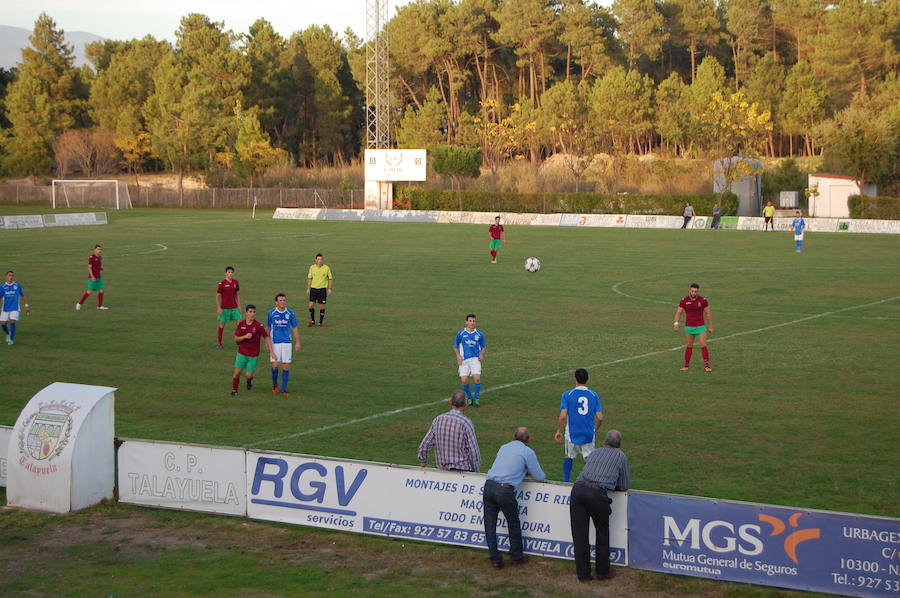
(532, 264)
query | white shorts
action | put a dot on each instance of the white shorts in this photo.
(281, 353)
(9, 315)
(572, 450)
(798, 237)
(470, 367)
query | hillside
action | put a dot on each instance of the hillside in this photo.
(13, 39)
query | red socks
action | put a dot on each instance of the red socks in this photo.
(221, 330)
(688, 352)
(83, 297)
(493, 254)
(235, 382)
(705, 351)
(100, 299)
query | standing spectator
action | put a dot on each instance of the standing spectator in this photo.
(469, 347)
(228, 300)
(9, 312)
(605, 469)
(318, 288)
(769, 216)
(513, 461)
(717, 214)
(688, 214)
(95, 278)
(247, 335)
(498, 236)
(581, 413)
(452, 435)
(281, 325)
(697, 313)
(798, 225)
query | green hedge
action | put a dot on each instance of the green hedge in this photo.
(418, 198)
(879, 208)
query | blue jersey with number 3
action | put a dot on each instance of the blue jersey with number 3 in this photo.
(582, 405)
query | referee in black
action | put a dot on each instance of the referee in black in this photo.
(605, 469)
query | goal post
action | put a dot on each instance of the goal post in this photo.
(90, 193)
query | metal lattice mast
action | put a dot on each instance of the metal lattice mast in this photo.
(377, 69)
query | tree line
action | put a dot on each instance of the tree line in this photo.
(515, 79)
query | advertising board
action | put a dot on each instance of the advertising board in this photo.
(822, 551)
(411, 502)
(183, 476)
(395, 164)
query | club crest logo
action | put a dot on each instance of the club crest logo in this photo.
(46, 431)
(393, 158)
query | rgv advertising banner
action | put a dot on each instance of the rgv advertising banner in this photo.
(838, 553)
(412, 502)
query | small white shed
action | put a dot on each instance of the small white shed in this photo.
(833, 192)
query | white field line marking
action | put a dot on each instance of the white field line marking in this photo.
(112, 248)
(615, 288)
(160, 245)
(567, 372)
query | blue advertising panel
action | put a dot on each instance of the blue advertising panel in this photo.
(839, 553)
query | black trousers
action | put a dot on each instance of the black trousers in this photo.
(498, 498)
(588, 504)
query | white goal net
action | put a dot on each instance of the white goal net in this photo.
(91, 194)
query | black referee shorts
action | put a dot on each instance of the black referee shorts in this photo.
(318, 295)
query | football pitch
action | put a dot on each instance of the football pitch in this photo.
(800, 410)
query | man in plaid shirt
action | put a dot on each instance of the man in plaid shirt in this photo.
(452, 435)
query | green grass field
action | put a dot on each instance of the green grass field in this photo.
(801, 409)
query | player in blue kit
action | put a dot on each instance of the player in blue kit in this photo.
(469, 347)
(798, 225)
(281, 325)
(581, 413)
(9, 314)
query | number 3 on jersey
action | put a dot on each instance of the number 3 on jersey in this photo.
(582, 405)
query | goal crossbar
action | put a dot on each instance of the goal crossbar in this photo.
(58, 199)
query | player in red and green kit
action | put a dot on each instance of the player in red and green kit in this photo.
(247, 335)
(95, 279)
(498, 237)
(228, 298)
(696, 319)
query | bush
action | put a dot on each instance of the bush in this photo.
(418, 198)
(787, 176)
(878, 208)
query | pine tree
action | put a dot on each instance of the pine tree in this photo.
(47, 98)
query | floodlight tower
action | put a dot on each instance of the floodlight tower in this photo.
(377, 75)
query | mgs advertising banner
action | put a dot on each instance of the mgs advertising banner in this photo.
(839, 553)
(411, 502)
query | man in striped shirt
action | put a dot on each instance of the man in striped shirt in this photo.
(452, 435)
(605, 469)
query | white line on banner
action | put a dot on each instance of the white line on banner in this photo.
(567, 372)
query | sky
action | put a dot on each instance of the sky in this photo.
(118, 19)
